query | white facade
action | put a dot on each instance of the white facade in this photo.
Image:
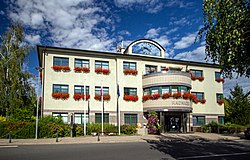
(211, 110)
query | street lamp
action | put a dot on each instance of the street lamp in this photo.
(39, 69)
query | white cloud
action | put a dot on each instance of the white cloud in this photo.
(150, 6)
(178, 3)
(172, 30)
(152, 33)
(69, 23)
(1, 12)
(197, 54)
(185, 42)
(33, 39)
(163, 41)
(181, 22)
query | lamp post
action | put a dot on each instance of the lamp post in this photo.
(39, 69)
(84, 107)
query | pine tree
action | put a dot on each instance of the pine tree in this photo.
(16, 91)
(237, 107)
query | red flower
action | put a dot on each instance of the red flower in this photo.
(201, 78)
(220, 102)
(220, 80)
(65, 68)
(98, 70)
(165, 69)
(130, 71)
(203, 101)
(77, 97)
(105, 71)
(78, 69)
(166, 95)
(155, 96)
(186, 95)
(97, 97)
(85, 69)
(60, 95)
(146, 97)
(193, 77)
(177, 95)
(130, 98)
(106, 97)
(57, 68)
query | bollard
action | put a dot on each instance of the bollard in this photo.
(56, 136)
(10, 137)
(98, 136)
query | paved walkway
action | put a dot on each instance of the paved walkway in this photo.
(120, 139)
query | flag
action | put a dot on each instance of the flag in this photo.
(101, 91)
(118, 91)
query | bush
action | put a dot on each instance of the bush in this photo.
(97, 127)
(128, 129)
(214, 127)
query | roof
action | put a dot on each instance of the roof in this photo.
(105, 54)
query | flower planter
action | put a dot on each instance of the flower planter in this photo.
(155, 96)
(177, 95)
(203, 101)
(103, 71)
(166, 95)
(130, 72)
(77, 97)
(130, 98)
(193, 77)
(186, 95)
(82, 69)
(146, 97)
(220, 102)
(201, 78)
(106, 97)
(60, 95)
(61, 68)
(220, 80)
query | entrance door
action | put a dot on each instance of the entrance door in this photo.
(173, 123)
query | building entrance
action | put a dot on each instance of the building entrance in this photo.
(172, 123)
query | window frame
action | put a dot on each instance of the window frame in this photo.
(59, 114)
(82, 118)
(129, 65)
(60, 85)
(98, 118)
(198, 120)
(219, 96)
(82, 64)
(61, 63)
(216, 73)
(81, 89)
(127, 91)
(133, 119)
(150, 67)
(196, 94)
(102, 64)
(194, 72)
(105, 90)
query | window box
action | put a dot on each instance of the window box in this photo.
(60, 95)
(165, 69)
(155, 96)
(146, 97)
(166, 95)
(130, 98)
(201, 78)
(193, 77)
(100, 70)
(106, 97)
(177, 95)
(196, 100)
(78, 69)
(77, 97)
(82, 69)
(130, 71)
(61, 68)
(220, 102)
(186, 95)
(203, 101)
(220, 80)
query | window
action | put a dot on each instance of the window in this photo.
(197, 73)
(165, 89)
(150, 69)
(129, 65)
(155, 90)
(82, 63)
(60, 88)
(64, 116)
(130, 91)
(60, 61)
(98, 118)
(217, 75)
(198, 120)
(199, 95)
(79, 118)
(146, 91)
(183, 89)
(219, 96)
(102, 64)
(130, 119)
(98, 90)
(174, 89)
(80, 89)
(221, 120)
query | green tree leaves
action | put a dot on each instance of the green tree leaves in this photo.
(16, 91)
(227, 33)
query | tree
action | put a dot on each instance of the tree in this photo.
(237, 107)
(226, 27)
(16, 91)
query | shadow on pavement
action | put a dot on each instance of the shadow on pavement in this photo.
(194, 146)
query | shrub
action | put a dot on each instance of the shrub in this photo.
(128, 129)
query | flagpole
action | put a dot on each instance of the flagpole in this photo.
(102, 105)
(119, 114)
(84, 107)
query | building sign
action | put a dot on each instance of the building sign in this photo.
(182, 103)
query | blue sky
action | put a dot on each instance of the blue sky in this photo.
(100, 25)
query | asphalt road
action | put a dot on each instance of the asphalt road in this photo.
(151, 150)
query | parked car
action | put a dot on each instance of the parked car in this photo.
(247, 133)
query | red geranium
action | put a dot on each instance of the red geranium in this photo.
(60, 95)
(105, 71)
(193, 77)
(186, 95)
(98, 70)
(146, 97)
(85, 69)
(65, 68)
(220, 80)
(130, 71)
(106, 97)
(201, 78)
(203, 101)
(130, 98)
(78, 69)
(166, 95)
(165, 69)
(155, 96)
(177, 95)
(57, 68)
(220, 102)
